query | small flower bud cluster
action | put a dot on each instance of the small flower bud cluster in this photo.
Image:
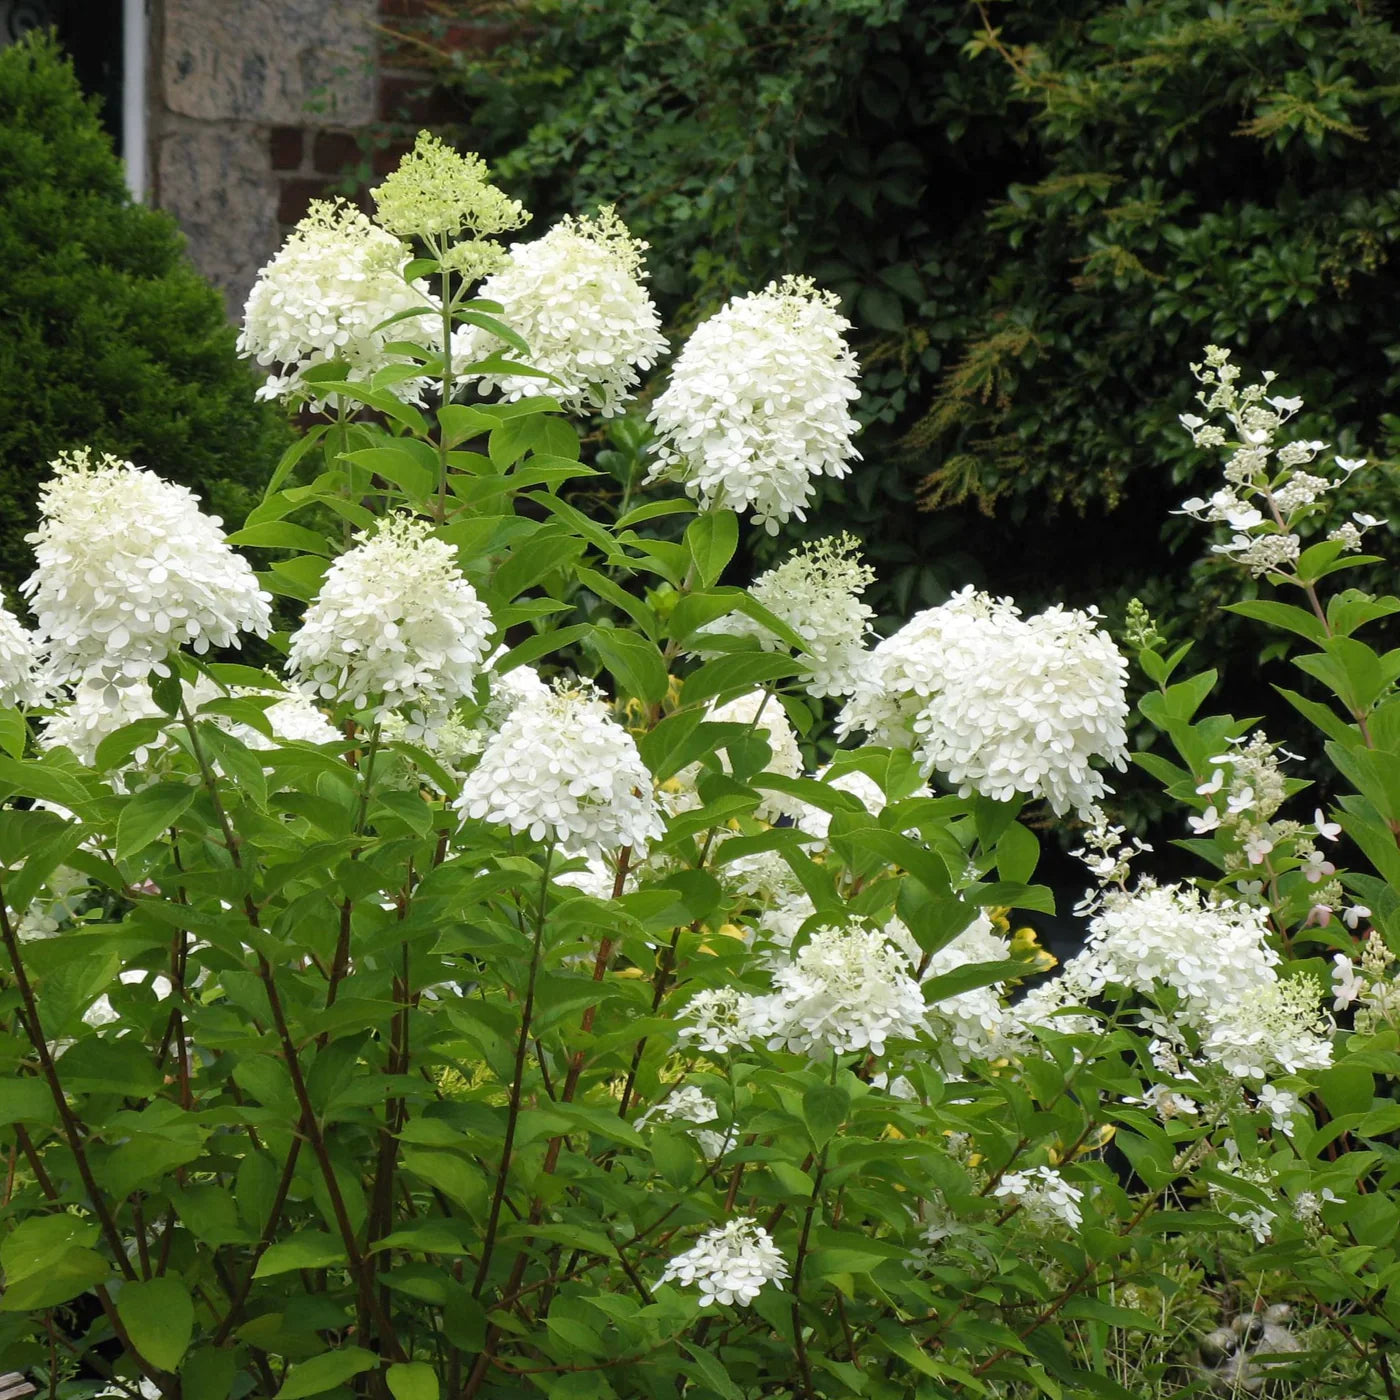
(730, 1264)
(439, 195)
(1370, 987)
(758, 405)
(816, 591)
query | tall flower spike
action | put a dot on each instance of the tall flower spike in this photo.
(576, 297)
(19, 663)
(440, 194)
(395, 624)
(562, 769)
(326, 296)
(758, 404)
(816, 591)
(129, 569)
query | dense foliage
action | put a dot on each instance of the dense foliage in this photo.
(410, 1023)
(110, 336)
(1034, 213)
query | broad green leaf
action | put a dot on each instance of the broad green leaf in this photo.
(150, 813)
(159, 1316)
(824, 1110)
(634, 662)
(712, 537)
(308, 1249)
(326, 1372)
(412, 1380)
(13, 732)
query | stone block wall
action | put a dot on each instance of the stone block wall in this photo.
(260, 106)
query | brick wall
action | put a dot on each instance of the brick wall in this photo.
(260, 106)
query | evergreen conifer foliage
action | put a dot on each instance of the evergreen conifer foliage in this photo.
(110, 335)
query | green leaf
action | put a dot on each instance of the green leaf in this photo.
(734, 674)
(412, 1380)
(13, 732)
(308, 1249)
(325, 1372)
(208, 1374)
(281, 534)
(25, 1101)
(824, 1110)
(1017, 852)
(634, 662)
(149, 813)
(159, 1316)
(712, 1373)
(712, 537)
(1283, 615)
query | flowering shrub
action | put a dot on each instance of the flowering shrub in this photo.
(414, 1024)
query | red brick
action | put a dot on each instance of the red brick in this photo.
(284, 144)
(334, 151)
(296, 195)
(387, 158)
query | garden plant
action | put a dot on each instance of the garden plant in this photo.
(490, 1002)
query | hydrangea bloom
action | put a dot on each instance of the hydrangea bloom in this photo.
(337, 278)
(896, 680)
(730, 1264)
(437, 193)
(293, 718)
(129, 569)
(1044, 1196)
(394, 623)
(816, 591)
(19, 663)
(845, 989)
(576, 298)
(1029, 714)
(999, 703)
(561, 768)
(1274, 1027)
(1210, 952)
(717, 1020)
(759, 403)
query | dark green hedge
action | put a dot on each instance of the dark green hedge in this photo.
(108, 336)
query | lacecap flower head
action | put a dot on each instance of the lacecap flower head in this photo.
(576, 297)
(560, 768)
(440, 194)
(395, 624)
(759, 404)
(816, 591)
(326, 296)
(128, 569)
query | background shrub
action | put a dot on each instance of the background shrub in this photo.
(110, 335)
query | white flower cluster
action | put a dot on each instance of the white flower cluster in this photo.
(396, 624)
(845, 989)
(1262, 505)
(326, 295)
(128, 570)
(1044, 1196)
(999, 703)
(730, 1264)
(759, 403)
(1275, 1027)
(561, 768)
(19, 663)
(292, 718)
(691, 1105)
(1211, 953)
(576, 297)
(816, 591)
